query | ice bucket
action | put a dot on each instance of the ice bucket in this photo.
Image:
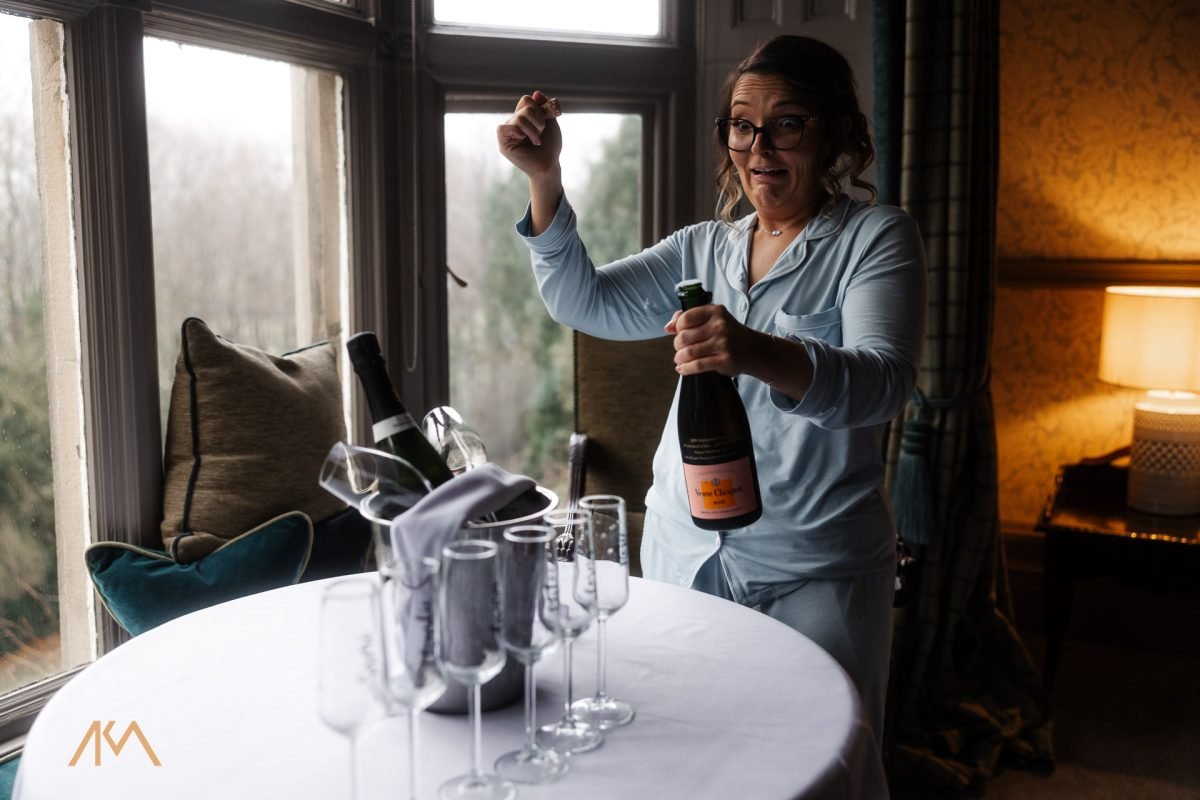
(507, 687)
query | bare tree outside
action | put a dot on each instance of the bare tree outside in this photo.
(221, 199)
(29, 646)
(511, 365)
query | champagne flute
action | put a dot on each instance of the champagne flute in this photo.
(568, 607)
(459, 445)
(412, 678)
(612, 591)
(469, 650)
(526, 557)
(375, 482)
(348, 673)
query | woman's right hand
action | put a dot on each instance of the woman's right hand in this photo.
(531, 138)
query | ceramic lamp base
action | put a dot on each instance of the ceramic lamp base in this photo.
(1164, 466)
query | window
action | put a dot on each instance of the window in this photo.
(522, 402)
(625, 77)
(274, 221)
(617, 17)
(246, 203)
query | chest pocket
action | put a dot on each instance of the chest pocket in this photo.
(824, 325)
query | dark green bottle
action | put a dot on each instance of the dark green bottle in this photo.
(714, 439)
(393, 428)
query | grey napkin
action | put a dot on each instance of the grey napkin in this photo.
(422, 531)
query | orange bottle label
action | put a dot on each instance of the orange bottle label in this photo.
(719, 491)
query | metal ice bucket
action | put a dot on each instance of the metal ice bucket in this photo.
(508, 686)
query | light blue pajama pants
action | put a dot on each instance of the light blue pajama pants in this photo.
(850, 618)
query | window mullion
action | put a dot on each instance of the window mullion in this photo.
(405, 300)
(116, 279)
(71, 531)
(420, 323)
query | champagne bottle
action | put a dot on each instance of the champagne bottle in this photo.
(714, 440)
(393, 428)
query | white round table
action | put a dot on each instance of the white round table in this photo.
(730, 704)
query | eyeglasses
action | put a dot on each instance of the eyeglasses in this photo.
(782, 133)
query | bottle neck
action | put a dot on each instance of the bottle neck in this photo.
(692, 294)
(690, 297)
(382, 399)
(694, 298)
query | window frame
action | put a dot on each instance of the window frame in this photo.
(655, 78)
(111, 210)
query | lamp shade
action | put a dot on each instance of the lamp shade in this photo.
(1151, 337)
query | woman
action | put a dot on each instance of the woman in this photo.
(818, 309)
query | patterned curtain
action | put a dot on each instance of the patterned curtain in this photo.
(965, 695)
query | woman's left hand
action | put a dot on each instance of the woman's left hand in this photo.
(710, 338)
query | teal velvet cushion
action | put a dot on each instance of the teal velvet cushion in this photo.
(144, 588)
(8, 774)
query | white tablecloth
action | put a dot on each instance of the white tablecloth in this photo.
(730, 704)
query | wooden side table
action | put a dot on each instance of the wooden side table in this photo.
(1089, 532)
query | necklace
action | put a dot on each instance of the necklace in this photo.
(785, 228)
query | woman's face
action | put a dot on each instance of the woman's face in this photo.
(780, 184)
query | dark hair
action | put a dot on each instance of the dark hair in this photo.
(822, 81)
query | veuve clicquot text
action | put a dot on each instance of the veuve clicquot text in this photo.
(393, 428)
(714, 441)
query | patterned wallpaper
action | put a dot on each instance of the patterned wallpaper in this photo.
(1100, 134)
(1051, 409)
(1100, 159)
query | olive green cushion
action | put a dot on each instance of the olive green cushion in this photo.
(623, 436)
(246, 435)
(144, 588)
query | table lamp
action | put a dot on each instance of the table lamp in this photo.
(1151, 340)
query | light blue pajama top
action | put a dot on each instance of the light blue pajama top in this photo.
(851, 289)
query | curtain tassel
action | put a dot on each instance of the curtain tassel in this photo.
(912, 491)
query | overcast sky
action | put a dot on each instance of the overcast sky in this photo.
(628, 17)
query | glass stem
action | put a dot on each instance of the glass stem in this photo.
(567, 679)
(601, 677)
(413, 718)
(477, 729)
(530, 708)
(353, 766)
